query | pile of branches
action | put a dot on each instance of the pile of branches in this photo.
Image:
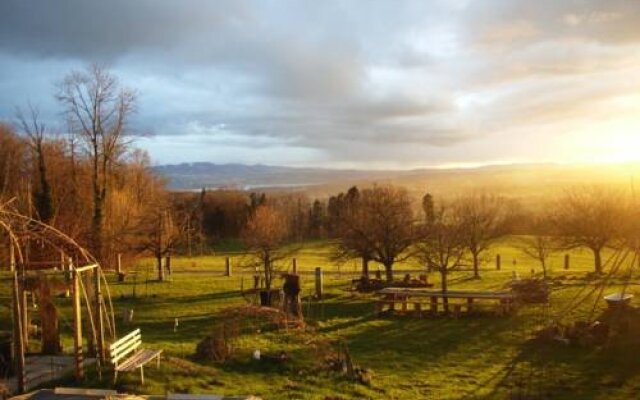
(235, 321)
(343, 363)
(531, 291)
(579, 333)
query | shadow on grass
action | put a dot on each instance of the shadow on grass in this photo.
(554, 370)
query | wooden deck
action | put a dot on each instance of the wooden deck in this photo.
(40, 369)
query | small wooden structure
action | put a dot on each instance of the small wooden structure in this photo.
(75, 270)
(127, 355)
(456, 300)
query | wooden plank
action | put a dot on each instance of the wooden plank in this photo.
(122, 354)
(125, 337)
(141, 358)
(448, 294)
(125, 344)
(188, 396)
(66, 391)
(86, 267)
(126, 347)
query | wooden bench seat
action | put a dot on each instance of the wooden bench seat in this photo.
(126, 355)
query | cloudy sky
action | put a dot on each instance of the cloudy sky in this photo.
(364, 84)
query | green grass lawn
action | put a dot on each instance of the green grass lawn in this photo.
(474, 357)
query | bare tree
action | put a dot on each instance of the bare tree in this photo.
(382, 226)
(590, 217)
(352, 243)
(35, 132)
(442, 244)
(12, 154)
(541, 243)
(264, 236)
(99, 109)
(485, 221)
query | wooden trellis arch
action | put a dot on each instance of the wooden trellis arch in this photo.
(73, 263)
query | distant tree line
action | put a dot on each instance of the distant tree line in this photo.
(384, 225)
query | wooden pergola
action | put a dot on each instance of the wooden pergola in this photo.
(75, 266)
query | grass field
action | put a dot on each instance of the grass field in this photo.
(474, 357)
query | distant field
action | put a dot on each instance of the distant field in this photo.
(436, 358)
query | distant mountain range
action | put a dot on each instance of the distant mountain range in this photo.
(529, 182)
(191, 176)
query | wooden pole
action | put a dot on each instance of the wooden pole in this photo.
(12, 257)
(119, 264)
(295, 266)
(18, 336)
(99, 319)
(25, 317)
(319, 285)
(566, 261)
(160, 268)
(77, 323)
(227, 266)
(498, 262)
(167, 264)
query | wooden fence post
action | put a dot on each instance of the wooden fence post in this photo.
(566, 261)
(319, 282)
(498, 262)
(12, 257)
(119, 264)
(227, 266)
(167, 264)
(295, 266)
(100, 349)
(18, 336)
(77, 323)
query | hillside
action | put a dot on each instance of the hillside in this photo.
(517, 180)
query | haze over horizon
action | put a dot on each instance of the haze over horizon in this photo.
(393, 85)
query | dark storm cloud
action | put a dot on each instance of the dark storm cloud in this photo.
(311, 82)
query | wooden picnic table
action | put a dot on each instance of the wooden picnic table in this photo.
(392, 296)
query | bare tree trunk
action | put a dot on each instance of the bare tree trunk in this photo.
(597, 260)
(365, 267)
(476, 264)
(388, 269)
(96, 222)
(444, 283)
(159, 266)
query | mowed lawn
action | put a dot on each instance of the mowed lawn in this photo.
(483, 357)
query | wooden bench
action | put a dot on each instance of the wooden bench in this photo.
(126, 355)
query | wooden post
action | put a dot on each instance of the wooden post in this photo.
(25, 317)
(319, 282)
(77, 323)
(160, 267)
(295, 266)
(566, 261)
(227, 267)
(167, 264)
(434, 305)
(119, 264)
(498, 262)
(18, 336)
(100, 350)
(12, 257)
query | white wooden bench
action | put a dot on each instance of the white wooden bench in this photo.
(126, 355)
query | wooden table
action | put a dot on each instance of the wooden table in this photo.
(417, 297)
